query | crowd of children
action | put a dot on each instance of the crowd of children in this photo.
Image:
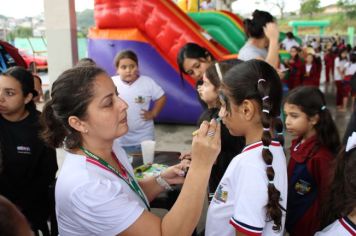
(306, 63)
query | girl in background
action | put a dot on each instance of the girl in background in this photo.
(193, 60)
(350, 70)
(137, 91)
(230, 145)
(339, 211)
(252, 195)
(311, 71)
(296, 68)
(312, 152)
(29, 166)
(329, 60)
(339, 73)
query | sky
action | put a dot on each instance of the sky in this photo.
(35, 7)
(240, 6)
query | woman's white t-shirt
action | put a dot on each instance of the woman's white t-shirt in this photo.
(240, 199)
(91, 200)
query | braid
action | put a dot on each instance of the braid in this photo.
(273, 209)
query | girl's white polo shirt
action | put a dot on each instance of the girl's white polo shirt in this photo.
(340, 227)
(240, 199)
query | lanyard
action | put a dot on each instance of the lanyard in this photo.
(125, 175)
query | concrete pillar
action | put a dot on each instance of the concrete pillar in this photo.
(61, 34)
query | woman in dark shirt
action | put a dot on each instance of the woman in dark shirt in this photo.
(29, 166)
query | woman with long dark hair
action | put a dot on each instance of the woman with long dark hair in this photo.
(29, 166)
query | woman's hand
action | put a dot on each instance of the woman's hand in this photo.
(206, 144)
(175, 174)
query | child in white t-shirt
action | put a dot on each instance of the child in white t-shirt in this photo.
(137, 91)
(350, 70)
(251, 197)
(339, 73)
(339, 212)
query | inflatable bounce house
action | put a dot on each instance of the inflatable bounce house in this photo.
(155, 30)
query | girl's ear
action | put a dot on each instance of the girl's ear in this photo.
(248, 109)
(314, 119)
(28, 98)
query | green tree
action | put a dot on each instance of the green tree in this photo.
(23, 32)
(349, 7)
(309, 7)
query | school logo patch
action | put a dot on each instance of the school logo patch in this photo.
(23, 150)
(140, 100)
(220, 194)
(302, 187)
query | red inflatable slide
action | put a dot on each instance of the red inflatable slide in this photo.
(166, 27)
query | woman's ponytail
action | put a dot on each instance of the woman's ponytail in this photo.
(53, 132)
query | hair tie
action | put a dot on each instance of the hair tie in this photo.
(265, 147)
(261, 80)
(269, 165)
(266, 129)
(270, 181)
(265, 111)
(265, 97)
(323, 108)
(280, 133)
(217, 67)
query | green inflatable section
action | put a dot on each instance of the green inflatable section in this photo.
(222, 29)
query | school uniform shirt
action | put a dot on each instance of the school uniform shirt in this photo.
(296, 74)
(311, 75)
(309, 172)
(28, 169)
(341, 227)
(240, 199)
(341, 64)
(138, 96)
(91, 200)
(350, 69)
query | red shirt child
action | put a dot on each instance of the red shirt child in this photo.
(296, 68)
(311, 72)
(308, 173)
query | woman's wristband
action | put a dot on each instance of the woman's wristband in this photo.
(162, 182)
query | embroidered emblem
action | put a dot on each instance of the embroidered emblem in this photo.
(302, 187)
(140, 100)
(220, 195)
(23, 150)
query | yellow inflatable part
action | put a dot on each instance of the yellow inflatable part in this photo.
(193, 5)
(183, 4)
(188, 5)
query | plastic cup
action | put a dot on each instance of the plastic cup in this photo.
(148, 151)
